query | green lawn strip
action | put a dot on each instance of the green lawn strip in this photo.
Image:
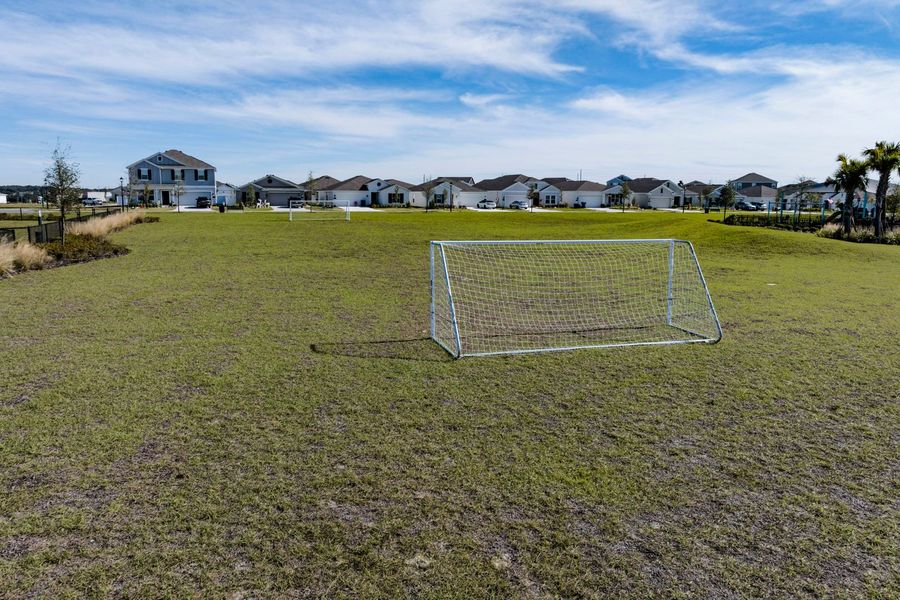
(248, 404)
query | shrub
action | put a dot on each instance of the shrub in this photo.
(21, 256)
(80, 247)
(831, 231)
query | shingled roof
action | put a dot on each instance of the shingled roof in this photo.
(501, 183)
(564, 184)
(187, 160)
(460, 183)
(642, 185)
(354, 183)
(754, 178)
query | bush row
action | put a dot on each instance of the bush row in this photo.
(863, 235)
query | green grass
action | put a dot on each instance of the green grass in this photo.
(250, 406)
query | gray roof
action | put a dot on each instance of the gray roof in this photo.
(754, 178)
(270, 181)
(354, 184)
(572, 185)
(501, 183)
(324, 181)
(461, 184)
(187, 160)
(642, 185)
(403, 184)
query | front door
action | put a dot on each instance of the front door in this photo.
(165, 198)
(374, 198)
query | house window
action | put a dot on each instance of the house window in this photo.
(395, 198)
(200, 174)
(159, 158)
(144, 174)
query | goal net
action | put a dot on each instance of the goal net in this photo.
(300, 210)
(511, 297)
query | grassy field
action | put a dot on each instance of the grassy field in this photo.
(248, 407)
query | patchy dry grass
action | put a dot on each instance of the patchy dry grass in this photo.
(101, 227)
(244, 406)
(21, 256)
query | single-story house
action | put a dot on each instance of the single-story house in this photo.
(274, 190)
(580, 193)
(510, 188)
(356, 191)
(317, 185)
(3, 199)
(648, 192)
(445, 191)
(395, 192)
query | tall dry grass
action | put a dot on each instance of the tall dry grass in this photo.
(21, 256)
(100, 227)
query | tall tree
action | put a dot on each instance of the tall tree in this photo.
(727, 197)
(61, 178)
(883, 158)
(251, 195)
(849, 177)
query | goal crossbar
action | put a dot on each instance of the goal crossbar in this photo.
(492, 297)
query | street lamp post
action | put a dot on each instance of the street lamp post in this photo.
(122, 191)
(683, 195)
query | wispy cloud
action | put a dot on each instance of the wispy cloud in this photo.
(404, 87)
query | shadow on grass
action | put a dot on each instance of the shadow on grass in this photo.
(423, 349)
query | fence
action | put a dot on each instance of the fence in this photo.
(53, 230)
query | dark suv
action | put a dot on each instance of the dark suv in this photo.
(202, 202)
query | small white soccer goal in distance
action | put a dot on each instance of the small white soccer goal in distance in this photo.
(514, 297)
(301, 210)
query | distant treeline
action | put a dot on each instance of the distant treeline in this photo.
(22, 193)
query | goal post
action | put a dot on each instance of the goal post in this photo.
(514, 297)
(300, 210)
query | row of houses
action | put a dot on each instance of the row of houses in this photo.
(172, 176)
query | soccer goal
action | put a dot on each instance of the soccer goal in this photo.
(300, 210)
(513, 297)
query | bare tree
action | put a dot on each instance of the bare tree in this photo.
(428, 188)
(312, 192)
(61, 179)
(626, 194)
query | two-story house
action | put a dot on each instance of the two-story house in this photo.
(753, 180)
(171, 177)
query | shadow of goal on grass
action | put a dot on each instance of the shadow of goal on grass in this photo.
(423, 349)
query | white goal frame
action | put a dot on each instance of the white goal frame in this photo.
(315, 211)
(685, 304)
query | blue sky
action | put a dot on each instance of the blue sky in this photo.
(684, 89)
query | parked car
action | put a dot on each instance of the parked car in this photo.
(744, 205)
(92, 202)
(518, 205)
(486, 204)
(760, 205)
(202, 202)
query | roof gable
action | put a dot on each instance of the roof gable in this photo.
(274, 182)
(754, 178)
(354, 184)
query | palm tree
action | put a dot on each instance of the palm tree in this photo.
(883, 159)
(849, 177)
